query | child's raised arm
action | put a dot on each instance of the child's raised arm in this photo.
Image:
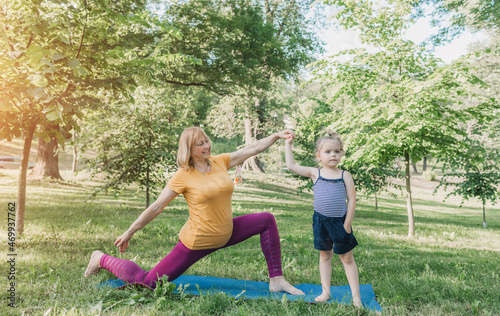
(292, 166)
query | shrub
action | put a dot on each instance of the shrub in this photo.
(429, 175)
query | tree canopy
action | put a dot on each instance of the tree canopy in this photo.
(406, 103)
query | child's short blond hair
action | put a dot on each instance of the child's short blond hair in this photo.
(189, 137)
(330, 136)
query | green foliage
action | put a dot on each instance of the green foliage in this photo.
(267, 41)
(164, 288)
(429, 175)
(405, 102)
(372, 179)
(480, 177)
(369, 178)
(137, 143)
(460, 15)
(58, 59)
(239, 43)
(307, 131)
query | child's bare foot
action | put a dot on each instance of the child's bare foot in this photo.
(279, 284)
(356, 301)
(323, 297)
(94, 266)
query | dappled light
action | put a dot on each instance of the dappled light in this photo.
(153, 124)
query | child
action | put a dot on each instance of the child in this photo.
(332, 216)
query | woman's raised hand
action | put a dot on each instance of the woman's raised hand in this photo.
(286, 133)
(122, 241)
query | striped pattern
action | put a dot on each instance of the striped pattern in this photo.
(125, 270)
(330, 196)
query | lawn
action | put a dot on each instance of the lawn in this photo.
(450, 268)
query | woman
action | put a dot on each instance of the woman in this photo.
(205, 183)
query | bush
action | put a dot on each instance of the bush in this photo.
(429, 175)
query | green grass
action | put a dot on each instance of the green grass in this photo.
(450, 268)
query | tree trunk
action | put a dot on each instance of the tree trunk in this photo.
(484, 215)
(147, 188)
(424, 167)
(376, 201)
(75, 154)
(250, 163)
(47, 160)
(409, 204)
(414, 168)
(21, 187)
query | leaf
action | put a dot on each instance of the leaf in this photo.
(52, 116)
(40, 81)
(4, 103)
(34, 59)
(73, 62)
(15, 54)
(4, 35)
(37, 93)
(64, 38)
(284, 299)
(129, 301)
(48, 98)
(57, 56)
(83, 71)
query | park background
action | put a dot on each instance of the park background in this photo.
(96, 93)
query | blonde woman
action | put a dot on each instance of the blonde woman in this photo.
(206, 185)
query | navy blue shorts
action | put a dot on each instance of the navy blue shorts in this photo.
(330, 232)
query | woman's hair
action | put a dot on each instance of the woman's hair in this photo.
(189, 137)
(330, 136)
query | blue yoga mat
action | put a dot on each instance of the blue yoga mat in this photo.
(198, 285)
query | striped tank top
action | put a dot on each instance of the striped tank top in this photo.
(330, 196)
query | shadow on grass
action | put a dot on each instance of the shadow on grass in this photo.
(396, 214)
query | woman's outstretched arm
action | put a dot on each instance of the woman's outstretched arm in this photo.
(243, 154)
(166, 196)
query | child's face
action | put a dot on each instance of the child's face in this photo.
(330, 153)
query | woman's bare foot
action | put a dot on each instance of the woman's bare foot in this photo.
(323, 297)
(94, 266)
(279, 284)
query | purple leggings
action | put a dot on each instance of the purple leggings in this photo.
(181, 257)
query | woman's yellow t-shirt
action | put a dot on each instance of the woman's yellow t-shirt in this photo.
(208, 196)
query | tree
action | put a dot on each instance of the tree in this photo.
(405, 102)
(58, 58)
(480, 177)
(459, 15)
(137, 143)
(242, 45)
(47, 158)
(229, 114)
(308, 130)
(371, 179)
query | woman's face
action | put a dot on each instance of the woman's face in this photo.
(201, 149)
